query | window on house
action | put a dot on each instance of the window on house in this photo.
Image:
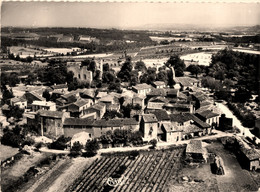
(151, 131)
(85, 76)
(89, 135)
(79, 76)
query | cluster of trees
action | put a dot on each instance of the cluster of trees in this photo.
(243, 39)
(244, 115)
(196, 69)
(28, 59)
(240, 67)
(141, 74)
(60, 143)
(10, 79)
(123, 137)
(14, 111)
(177, 64)
(7, 94)
(126, 110)
(117, 137)
(17, 137)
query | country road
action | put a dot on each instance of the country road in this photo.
(236, 122)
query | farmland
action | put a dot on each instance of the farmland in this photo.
(149, 171)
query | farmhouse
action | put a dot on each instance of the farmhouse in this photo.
(138, 100)
(156, 103)
(74, 126)
(43, 105)
(195, 151)
(50, 123)
(186, 82)
(170, 132)
(156, 92)
(32, 96)
(159, 84)
(20, 102)
(100, 127)
(142, 88)
(251, 158)
(97, 110)
(78, 108)
(63, 88)
(178, 108)
(149, 126)
(209, 117)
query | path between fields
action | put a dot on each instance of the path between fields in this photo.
(61, 176)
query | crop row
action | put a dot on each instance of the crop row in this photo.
(147, 172)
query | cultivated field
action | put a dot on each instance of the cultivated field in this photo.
(149, 171)
(7, 151)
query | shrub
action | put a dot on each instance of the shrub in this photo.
(76, 149)
(153, 142)
(60, 143)
(38, 145)
(92, 146)
(28, 141)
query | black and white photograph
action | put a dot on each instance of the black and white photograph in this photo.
(130, 96)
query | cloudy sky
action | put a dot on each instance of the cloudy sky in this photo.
(127, 15)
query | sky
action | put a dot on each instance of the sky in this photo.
(127, 15)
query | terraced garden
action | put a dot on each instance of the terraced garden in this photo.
(149, 171)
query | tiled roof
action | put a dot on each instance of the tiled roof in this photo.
(205, 103)
(208, 114)
(115, 122)
(149, 118)
(37, 96)
(161, 115)
(158, 83)
(78, 121)
(169, 127)
(70, 94)
(251, 154)
(101, 94)
(54, 114)
(192, 129)
(98, 106)
(59, 86)
(177, 105)
(89, 92)
(172, 92)
(180, 118)
(157, 92)
(159, 99)
(199, 122)
(185, 81)
(16, 99)
(182, 96)
(142, 86)
(81, 102)
(107, 98)
(212, 108)
(195, 146)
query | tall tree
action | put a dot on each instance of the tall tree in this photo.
(178, 65)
